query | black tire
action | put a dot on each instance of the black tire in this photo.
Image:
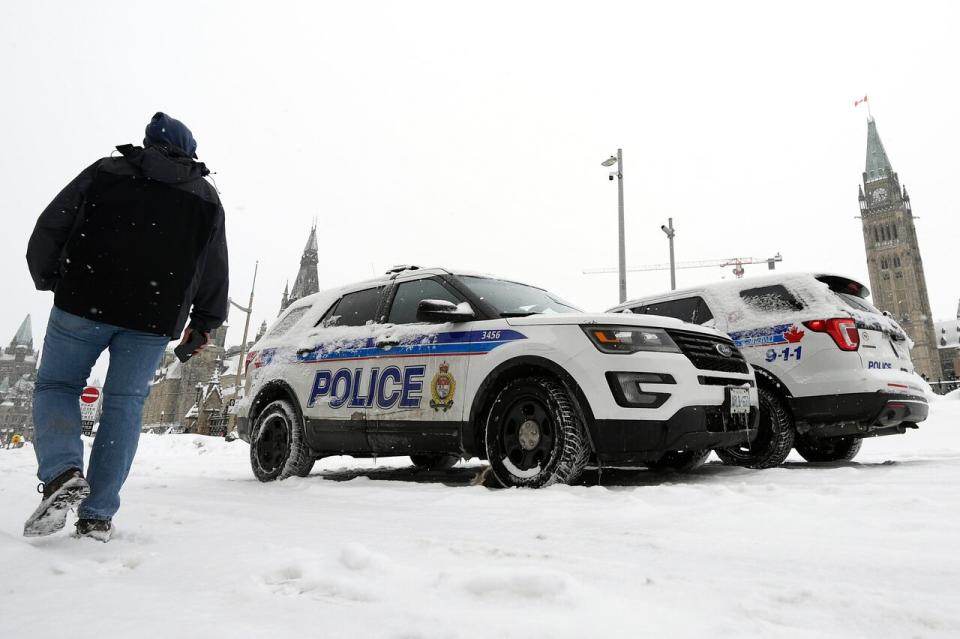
(680, 461)
(277, 447)
(831, 449)
(774, 440)
(304, 471)
(435, 462)
(535, 434)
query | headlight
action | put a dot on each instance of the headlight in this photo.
(630, 339)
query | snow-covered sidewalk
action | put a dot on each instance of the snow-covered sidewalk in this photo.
(870, 548)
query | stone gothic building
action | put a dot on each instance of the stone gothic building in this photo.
(206, 415)
(18, 372)
(948, 342)
(174, 388)
(307, 282)
(893, 255)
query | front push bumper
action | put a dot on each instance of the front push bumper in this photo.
(628, 441)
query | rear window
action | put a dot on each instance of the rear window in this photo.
(839, 284)
(771, 299)
(688, 309)
(851, 293)
(287, 321)
(355, 309)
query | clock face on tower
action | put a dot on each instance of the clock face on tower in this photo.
(879, 195)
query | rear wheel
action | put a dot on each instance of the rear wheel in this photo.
(774, 438)
(277, 447)
(830, 449)
(434, 462)
(535, 435)
(681, 461)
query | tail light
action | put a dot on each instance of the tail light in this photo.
(843, 330)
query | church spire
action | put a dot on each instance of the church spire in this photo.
(24, 336)
(878, 164)
(285, 301)
(312, 240)
(307, 282)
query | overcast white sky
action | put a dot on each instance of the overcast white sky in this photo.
(471, 135)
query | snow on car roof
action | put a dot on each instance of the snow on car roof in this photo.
(318, 304)
(801, 278)
(816, 296)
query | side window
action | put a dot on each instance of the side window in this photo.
(355, 309)
(688, 309)
(409, 294)
(771, 299)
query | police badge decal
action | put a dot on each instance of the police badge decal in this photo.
(442, 389)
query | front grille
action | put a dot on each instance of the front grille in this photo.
(701, 349)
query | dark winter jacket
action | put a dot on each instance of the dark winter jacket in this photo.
(136, 241)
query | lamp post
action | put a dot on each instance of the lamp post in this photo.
(246, 327)
(622, 265)
(668, 230)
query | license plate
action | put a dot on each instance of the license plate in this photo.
(739, 401)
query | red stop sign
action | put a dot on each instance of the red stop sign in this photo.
(90, 395)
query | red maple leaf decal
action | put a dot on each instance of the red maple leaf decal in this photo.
(794, 334)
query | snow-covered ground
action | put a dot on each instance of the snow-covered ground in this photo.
(202, 549)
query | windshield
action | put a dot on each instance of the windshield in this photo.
(511, 299)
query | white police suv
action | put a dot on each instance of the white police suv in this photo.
(441, 366)
(831, 368)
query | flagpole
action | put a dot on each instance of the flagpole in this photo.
(867, 100)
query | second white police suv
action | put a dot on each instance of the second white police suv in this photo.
(441, 366)
(831, 368)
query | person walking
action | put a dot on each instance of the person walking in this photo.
(132, 249)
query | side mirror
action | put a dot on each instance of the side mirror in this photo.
(444, 311)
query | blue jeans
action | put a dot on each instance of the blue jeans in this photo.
(70, 349)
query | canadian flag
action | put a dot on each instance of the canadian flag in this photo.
(860, 101)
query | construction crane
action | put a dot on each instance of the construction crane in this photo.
(736, 262)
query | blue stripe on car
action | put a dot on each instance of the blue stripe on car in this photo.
(455, 342)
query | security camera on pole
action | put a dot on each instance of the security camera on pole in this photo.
(668, 229)
(618, 160)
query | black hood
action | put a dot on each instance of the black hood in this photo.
(163, 164)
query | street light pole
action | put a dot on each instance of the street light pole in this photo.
(623, 251)
(246, 328)
(668, 230)
(622, 266)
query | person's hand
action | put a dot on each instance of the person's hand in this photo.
(186, 338)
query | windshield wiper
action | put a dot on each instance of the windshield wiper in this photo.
(519, 313)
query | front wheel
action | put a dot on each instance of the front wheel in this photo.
(535, 435)
(774, 438)
(831, 449)
(277, 447)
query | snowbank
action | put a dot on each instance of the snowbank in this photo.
(203, 550)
